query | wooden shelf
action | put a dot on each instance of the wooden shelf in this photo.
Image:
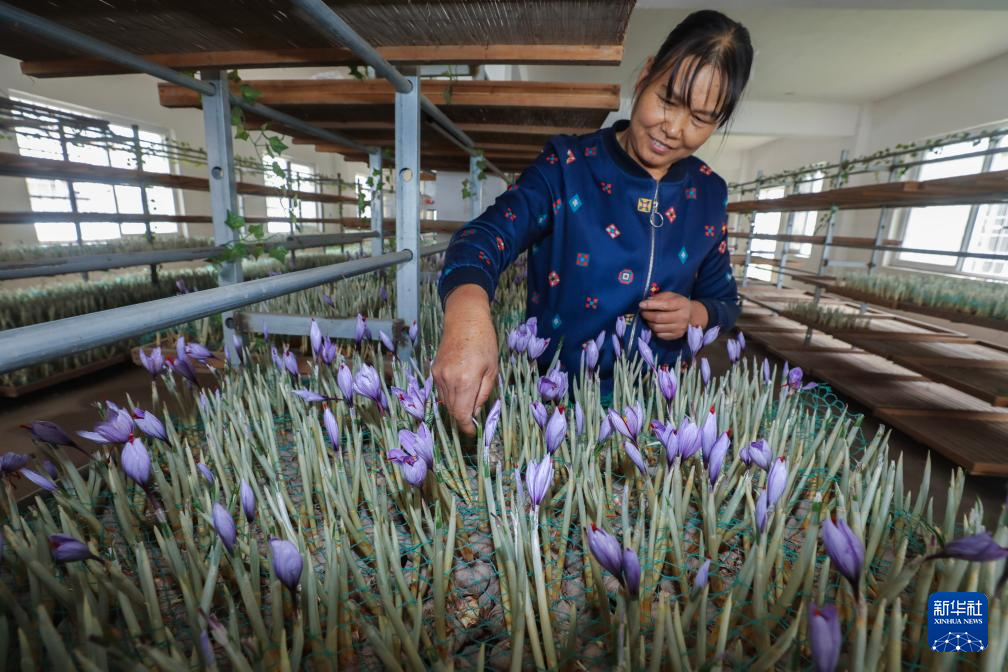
(838, 241)
(962, 190)
(14, 165)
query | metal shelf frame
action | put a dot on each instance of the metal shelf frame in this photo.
(36, 343)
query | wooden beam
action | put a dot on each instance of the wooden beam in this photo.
(14, 165)
(443, 93)
(503, 129)
(514, 54)
(962, 190)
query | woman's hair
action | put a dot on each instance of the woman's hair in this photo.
(705, 38)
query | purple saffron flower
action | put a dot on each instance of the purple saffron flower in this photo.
(290, 363)
(311, 397)
(539, 413)
(344, 379)
(116, 429)
(361, 331)
(181, 287)
(734, 350)
(154, 363)
(538, 478)
(386, 341)
(579, 420)
(666, 434)
(606, 550)
(328, 300)
(767, 378)
(645, 352)
(702, 574)
(694, 338)
(12, 462)
(414, 331)
(38, 479)
(690, 441)
(628, 424)
(182, 368)
(224, 525)
(65, 548)
(287, 563)
(329, 351)
(419, 443)
(49, 432)
(761, 510)
(556, 430)
(709, 433)
(518, 338)
(383, 294)
(315, 337)
(717, 457)
(711, 334)
(490, 426)
(332, 429)
(277, 359)
(50, 469)
(605, 429)
(199, 352)
(136, 462)
(411, 400)
(795, 379)
(617, 348)
(667, 383)
(149, 424)
(553, 386)
(238, 347)
(758, 452)
(844, 548)
(633, 452)
(248, 500)
(414, 468)
(206, 650)
(620, 327)
(740, 338)
(974, 548)
(180, 348)
(368, 384)
(777, 480)
(536, 347)
(645, 335)
(590, 355)
(824, 636)
(631, 572)
(206, 472)
(705, 371)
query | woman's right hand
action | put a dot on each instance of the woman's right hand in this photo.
(465, 367)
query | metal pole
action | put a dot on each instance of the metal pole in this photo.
(36, 343)
(377, 202)
(789, 229)
(138, 155)
(407, 155)
(749, 241)
(223, 196)
(475, 189)
(885, 216)
(71, 193)
(827, 241)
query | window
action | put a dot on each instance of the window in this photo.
(767, 223)
(990, 230)
(99, 145)
(280, 209)
(363, 188)
(945, 227)
(804, 223)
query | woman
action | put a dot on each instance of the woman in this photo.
(624, 221)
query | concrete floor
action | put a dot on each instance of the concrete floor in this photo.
(71, 405)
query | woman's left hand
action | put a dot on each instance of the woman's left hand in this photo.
(669, 314)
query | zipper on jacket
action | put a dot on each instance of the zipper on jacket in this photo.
(653, 216)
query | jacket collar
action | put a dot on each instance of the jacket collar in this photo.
(676, 172)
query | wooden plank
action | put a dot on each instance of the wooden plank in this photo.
(993, 415)
(881, 392)
(778, 342)
(961, 190)
(14, 165)
(989, 384)
(336, 93)
(854, 362)
(978, 446)
(838, 241)
(449, 54)
(14, 391)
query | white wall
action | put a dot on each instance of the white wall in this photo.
(134, 99)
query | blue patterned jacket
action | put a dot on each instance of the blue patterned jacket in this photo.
(585, 209)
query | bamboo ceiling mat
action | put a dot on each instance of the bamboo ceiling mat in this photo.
(183, 26)
(980, 447)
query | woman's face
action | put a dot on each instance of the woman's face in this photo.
(663, 131)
